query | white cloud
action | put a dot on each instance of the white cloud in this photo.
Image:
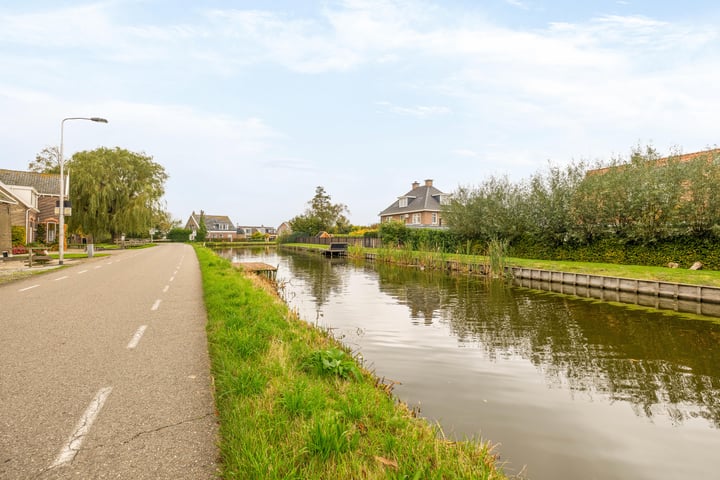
(418, 111)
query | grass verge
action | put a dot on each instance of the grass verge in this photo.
(294, 404)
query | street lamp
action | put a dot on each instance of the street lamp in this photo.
(61, 161)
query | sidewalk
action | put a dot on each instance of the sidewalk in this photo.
(15, 268)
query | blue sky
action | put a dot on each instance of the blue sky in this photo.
(249, 105)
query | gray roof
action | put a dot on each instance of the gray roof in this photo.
(422, 198)
(211, 220)
(43, 183)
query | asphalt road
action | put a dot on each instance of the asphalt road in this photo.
(104, 371)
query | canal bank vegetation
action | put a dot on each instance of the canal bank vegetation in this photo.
(641, 210)
(476, 264)
(294, 403)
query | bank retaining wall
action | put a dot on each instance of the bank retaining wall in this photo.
(702, 300)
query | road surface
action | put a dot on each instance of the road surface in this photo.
(104, 371)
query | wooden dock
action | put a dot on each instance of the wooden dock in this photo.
(336, 249)
(258, 268)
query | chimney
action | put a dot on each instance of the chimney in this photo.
(428, 182)
(415, 185)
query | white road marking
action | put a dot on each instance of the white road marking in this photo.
(82, 271)
(61, 278)
(136, 338)
(98, 266)
(167, 287)
(156, 305)
(175, 272)
(172, 278)
(72, 447)
(28, 288)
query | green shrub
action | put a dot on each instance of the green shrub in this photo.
(18, 236)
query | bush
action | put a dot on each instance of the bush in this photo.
(18, 236)
(179, 234)
(684, 250)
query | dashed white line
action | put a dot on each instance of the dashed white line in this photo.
(74, 443)
(167, 287)
(175, 272)
(28, 288)
(60, 278)
(136, 338)
(82, 271)
(98, 266)
(172, 278)
(156, 305)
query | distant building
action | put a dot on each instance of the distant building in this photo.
(420, 207)
(284, 229)
(247, 231)
(219, 227)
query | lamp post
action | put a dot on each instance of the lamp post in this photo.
(61, 161)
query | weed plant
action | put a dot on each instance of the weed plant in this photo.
(280, 419)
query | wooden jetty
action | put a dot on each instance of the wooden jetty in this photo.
(258, 268)
(336, 249)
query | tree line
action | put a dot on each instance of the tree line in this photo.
(643, 200)
(637, 202)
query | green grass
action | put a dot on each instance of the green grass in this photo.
(291, 407)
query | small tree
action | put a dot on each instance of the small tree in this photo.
(46, 161)
(322, 216)
(40, 233)
(201, 234)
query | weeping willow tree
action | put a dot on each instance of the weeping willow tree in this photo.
(115, 191)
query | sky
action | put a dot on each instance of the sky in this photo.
(250, 105)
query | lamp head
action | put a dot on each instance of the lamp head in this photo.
(98, 119)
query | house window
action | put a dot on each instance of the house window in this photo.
(434, 218)
(416, 218)
(403, 203)
(51, 231)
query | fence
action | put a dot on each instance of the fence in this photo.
(365, 242)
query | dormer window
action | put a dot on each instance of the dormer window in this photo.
(403, 202)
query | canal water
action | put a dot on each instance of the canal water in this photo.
(567, 388)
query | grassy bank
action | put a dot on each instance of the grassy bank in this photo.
(294, 405)
(438, 260)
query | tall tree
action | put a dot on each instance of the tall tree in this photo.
(115, 191)
(46, 161)
(322, 215)
(201, 233)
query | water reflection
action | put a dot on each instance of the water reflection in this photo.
(658, 363)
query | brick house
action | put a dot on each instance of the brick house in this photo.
(219, 227)
(7, 203)
(39, 192)
(420, 207)
(18, 208)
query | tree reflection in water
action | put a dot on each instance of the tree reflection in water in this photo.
(657, 362)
